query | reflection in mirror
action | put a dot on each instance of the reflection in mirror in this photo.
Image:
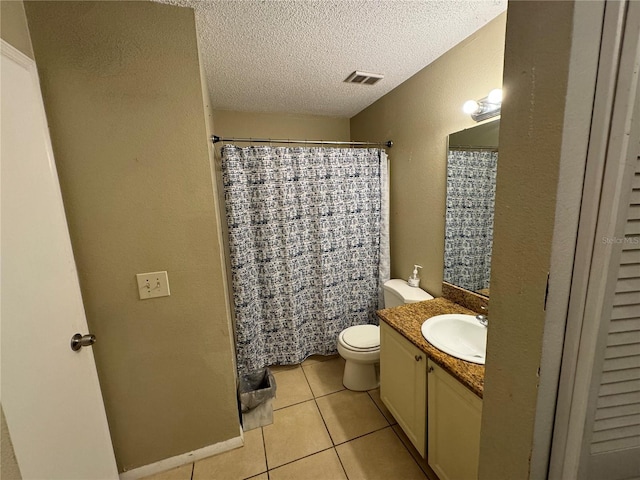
(472, 161)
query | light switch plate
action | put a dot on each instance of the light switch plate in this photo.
(153, 284)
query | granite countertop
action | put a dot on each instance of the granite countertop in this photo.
(407, 320)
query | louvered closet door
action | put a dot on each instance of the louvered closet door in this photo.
(611, 436)
(616, 425)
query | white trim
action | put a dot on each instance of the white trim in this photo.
(17, 56)
(184, 459)
(581, 87)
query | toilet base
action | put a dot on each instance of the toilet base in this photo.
(360, 376)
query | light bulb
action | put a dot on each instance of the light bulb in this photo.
(495, 95)
(470, 106)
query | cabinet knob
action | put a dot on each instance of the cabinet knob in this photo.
(418, 358)
(430, 369)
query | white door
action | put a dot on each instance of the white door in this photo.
(50, 394)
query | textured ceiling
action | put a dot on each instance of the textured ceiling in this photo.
(293, 55)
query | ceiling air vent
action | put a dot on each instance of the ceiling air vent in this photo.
(364, 78)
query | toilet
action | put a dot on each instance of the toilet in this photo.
(360, 345)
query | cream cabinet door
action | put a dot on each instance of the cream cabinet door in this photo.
(454, 427)
(403, 384)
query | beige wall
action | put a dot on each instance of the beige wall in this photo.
(122, 91)
(280, 125)
(9, 469)
(13, 26)
(531, 144)
(418, 116)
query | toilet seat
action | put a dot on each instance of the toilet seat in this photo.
(361, 338)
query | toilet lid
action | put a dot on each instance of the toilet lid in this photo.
(362, 337)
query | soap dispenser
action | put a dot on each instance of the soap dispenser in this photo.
(414, 279)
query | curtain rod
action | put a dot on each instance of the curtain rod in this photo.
(472, 147)
(216, 139)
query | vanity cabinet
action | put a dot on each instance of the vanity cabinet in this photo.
(454, 415)
(403, 384)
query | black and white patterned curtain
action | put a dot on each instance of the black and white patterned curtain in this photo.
(305, 247)
(471, 190)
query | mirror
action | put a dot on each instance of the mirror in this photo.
(472, 160)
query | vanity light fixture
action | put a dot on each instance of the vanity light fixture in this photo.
(486, 107)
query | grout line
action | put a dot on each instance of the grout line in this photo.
(193, 468)
(303, 457)
(293, 404)
(410, 454)
(330, 393)
(320, 411)
(307, 380)
(311, 388)
(325, 423)
(302, 401)
(341, 464)
(364, 435)
(326, 427)
(378, 407)
(264, 448)
(359, 436)
(333, 445)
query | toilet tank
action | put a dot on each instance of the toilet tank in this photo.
(397, 292)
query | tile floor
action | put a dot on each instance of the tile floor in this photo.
(320, 431)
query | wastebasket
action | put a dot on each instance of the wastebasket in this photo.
(256, 390)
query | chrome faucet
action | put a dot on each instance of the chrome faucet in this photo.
(484, 321)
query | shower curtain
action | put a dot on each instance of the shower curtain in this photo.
(308, 240)
(471, 188)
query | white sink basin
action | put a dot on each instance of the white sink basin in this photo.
(461, 336)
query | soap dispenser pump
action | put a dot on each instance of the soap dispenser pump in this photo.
(414, 279)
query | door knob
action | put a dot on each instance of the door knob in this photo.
(78, 341)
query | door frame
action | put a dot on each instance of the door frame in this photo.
(604, 202)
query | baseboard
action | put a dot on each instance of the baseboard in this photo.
(184, 459)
